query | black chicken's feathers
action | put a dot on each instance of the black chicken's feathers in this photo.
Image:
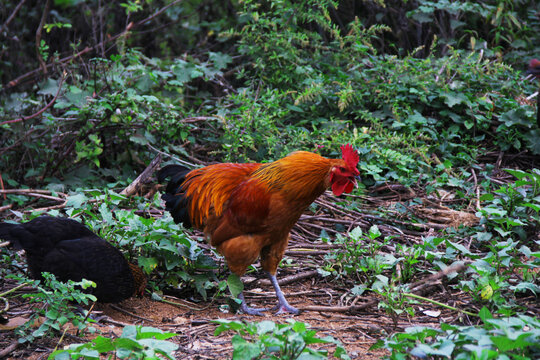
(42, 232)
(71, 251)
(175, 201)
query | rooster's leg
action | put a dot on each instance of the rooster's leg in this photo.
(249, 310)
(283, 305)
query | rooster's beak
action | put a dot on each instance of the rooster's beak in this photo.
(357, 180)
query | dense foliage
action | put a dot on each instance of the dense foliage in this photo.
(431, 93)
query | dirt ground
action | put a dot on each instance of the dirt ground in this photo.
(338, 317)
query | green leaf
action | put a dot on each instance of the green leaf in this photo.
(103, 344)
(76, 201)
(235, 285)
(452, 99)
(244, 350)
(48, 87)
(220, 60)
(459, 247)
(485, 314)
(266, 326)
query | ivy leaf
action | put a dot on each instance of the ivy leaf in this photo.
(452, 99)
(235, 285)
(220, 60)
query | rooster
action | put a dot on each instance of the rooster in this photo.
(247, 210)
(534, 69)
(71, 251)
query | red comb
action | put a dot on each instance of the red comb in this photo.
(350, 156)
(534, 63)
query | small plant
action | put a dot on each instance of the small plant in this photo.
(268, 340)
(55, 297)
(358, 256)
(514, 208)
(506, 338)
(394, 303)
(136, 342)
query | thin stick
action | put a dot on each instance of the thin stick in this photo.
(172, 157)
(34, 193)
(11, 17)
(477, 189)
(86, 317)
(414, 296)
(5, 293)
(44, 16)
(292, 278)
(430, 281)
(40, 111)
(61, 338)
(183, 305)
(419, 286)
(117, 308)
(340, 309)
(2, 185)
(137, 183)
(9, 349)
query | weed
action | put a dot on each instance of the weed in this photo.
(54, 296)
(270, 340)
(136, 342)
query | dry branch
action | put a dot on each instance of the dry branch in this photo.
(40, 111)
(11, 17)
(142, 178)
(419, 286)
(423, 284)
(8, 350)
(292, 278)
(41, 194)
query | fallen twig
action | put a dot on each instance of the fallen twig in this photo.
(292, 278)
(43, 194)
(421, 285)
(5, 352)
(5, 293)
(117, 308)
(340, 309)
(137, 183)
(2, 185)
(184, 305)
(62, 337)
(418, 297)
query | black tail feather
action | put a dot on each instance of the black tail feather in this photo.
(6, 230)
(175, 201)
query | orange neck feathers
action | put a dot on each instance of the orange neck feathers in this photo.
(299, 175)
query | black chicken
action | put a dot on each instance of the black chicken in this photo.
(70, 251)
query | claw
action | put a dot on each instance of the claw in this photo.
(286, 308)
(249, 310)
